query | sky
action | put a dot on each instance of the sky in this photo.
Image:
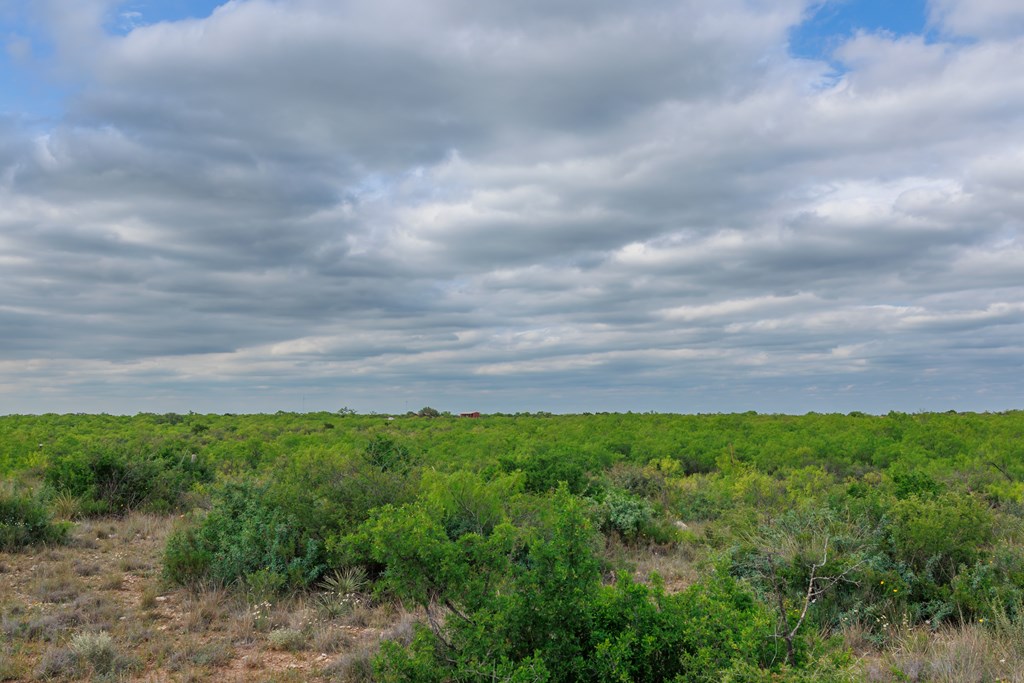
(557, 205)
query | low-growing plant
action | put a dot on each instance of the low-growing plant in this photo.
(287, 639)
(341, 591)
(245, 537)
(66, 506)
(625, 514)
(25, 520)
(528, 604)
(96, 649)
(114, 478)
(9, 669)
(59, 662)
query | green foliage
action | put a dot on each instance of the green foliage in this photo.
(25, 520)
(907, 483)
(546, 470)
(923, 514)
(643, 634)
(625, 514)
(528, 604)
(334, 493)
(245, 537)
(937, 534)
(982, 589)
(465, 502)
(388, 455)
(115, 478)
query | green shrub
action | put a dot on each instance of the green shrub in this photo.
(640, 633)
(980, 589)
(545, 471)
(330, 493)
(527, 604)
(25, 520)
(388, 455)
(117, 478)
(246, 536)
(907, 483)
(934, 535)
(624, 514)
(465, 502)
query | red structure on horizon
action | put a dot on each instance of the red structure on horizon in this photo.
(475, 413)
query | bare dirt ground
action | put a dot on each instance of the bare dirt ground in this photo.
(98, 609)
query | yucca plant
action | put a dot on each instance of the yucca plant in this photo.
(66, 506)
(342, 590)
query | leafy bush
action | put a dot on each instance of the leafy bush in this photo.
(545, 471)
(624, 514)
(116, 478)
(641, 633)
(389, 455)
(246, 536)
(527, 604)
(465, 502)
(934, 535)
(25, 520)
(332, 493)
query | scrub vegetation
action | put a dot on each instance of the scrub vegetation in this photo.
(530, 547)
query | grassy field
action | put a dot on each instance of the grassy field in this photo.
(290, 547)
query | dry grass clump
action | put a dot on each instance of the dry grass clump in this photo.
(287, 639)
(215, 653)
(148, 599)
(95, 610)
(113, 581)
(57, 583)
(65, 506)
(58, 662)
(330, 639)
(9, 668)
(88, 654)
(140, 525)
(135, 564)
(974, 653)
(205, 610)
(83, 542)
(41, 627)
(86, 567)
(356, 666)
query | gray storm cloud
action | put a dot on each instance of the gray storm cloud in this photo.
(517, 206)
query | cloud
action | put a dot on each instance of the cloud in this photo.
(562, 205)
(979, 18)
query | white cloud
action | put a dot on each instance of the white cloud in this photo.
(618, 201)
(979, 18)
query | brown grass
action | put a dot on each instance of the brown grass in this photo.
(975, 653)
(52, 599)
(107, 579)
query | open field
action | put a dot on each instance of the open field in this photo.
(603, 547)
(106, 580)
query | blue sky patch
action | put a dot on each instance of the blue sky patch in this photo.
(836, 20)
(129, 15)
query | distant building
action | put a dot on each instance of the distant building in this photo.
(475, 413)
